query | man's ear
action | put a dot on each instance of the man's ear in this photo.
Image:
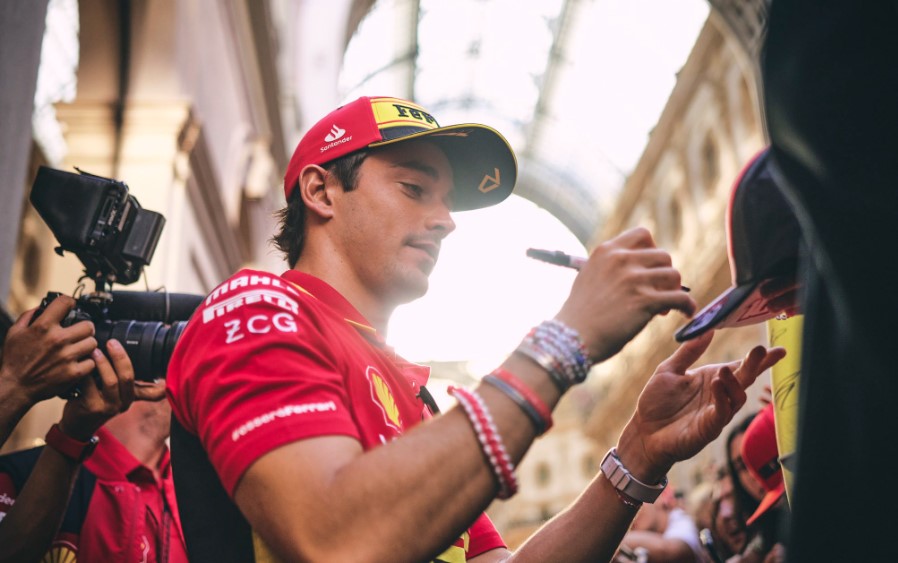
(315, 191)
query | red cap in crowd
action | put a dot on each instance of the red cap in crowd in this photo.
(761, 457)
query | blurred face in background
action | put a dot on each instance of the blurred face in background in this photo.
(728, 526)
(754, 487)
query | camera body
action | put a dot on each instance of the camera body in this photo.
(149, 343)
(114, 238)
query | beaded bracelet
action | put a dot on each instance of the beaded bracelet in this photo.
(529, 402)
(558, 349)
(546, 361)
(490, 441)
(509, 483)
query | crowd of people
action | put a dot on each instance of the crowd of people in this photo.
(298, 434)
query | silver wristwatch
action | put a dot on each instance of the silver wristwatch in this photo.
(623, 480)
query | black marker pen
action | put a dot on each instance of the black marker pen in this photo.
(560, 258)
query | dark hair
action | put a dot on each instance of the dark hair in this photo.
(770, 526)
(745, 503)
(292, 218)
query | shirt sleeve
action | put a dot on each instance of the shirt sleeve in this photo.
(252, 373)
(484, 537)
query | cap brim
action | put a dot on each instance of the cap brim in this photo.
(483, 163)
(770, 499)
(738, 306)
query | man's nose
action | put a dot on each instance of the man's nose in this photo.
(441, 220)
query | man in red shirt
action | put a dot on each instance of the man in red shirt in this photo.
(299, 434)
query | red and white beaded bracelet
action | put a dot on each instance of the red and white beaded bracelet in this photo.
(490, 441)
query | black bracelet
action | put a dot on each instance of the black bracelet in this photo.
(519, 400)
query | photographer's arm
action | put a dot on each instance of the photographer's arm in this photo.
(41, 359)
(30, 525)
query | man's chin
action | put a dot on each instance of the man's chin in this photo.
(411, 290)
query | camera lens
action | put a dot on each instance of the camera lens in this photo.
(149, 344)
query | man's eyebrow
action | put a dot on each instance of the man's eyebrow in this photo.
(420, 167)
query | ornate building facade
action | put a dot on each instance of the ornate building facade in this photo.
(182, 102)
(679, 190)
(709, 129)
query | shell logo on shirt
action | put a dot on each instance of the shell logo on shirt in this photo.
(457, 553)
(383, 398)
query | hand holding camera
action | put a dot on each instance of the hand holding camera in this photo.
(109, 393)
(46, 356)
(114, 238)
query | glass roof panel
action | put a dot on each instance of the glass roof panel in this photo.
(484, 60)
(575, 85)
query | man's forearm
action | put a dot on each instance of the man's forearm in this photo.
(30, 525)
(13, 406)
(436, 473)
(590, 529)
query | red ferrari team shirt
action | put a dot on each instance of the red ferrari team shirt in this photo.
(118, 510)
(268, 360)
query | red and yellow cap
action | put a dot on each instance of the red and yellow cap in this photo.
(482, 161)
(761, 457)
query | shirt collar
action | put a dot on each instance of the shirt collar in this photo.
(320, 290)
(417, 374)
(112, 460)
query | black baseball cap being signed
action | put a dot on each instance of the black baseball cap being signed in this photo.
(763, 238)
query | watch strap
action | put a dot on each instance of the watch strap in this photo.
(624, 481)
(71, 448)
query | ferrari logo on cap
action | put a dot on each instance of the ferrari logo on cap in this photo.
(490, 183)
(393, 112)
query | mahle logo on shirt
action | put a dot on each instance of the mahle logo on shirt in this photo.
(383, 398)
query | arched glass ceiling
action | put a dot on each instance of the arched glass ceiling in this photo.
(575, 85)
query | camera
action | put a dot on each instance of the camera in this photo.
(114, 238)
(117, 314)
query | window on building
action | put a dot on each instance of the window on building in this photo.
(710, 163)
(675, 219)
(543, 474)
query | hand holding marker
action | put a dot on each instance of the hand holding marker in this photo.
(560, 258)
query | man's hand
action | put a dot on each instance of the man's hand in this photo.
(44, 359)
(626, 281)
(681, 410)
(108, 393)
